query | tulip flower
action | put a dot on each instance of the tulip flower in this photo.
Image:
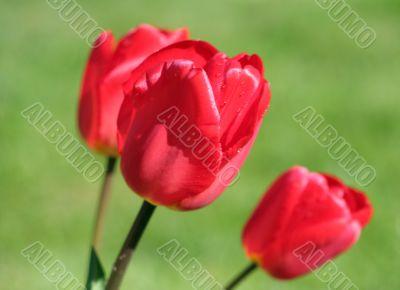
(108, 67)
(188, 121)
(304, 220)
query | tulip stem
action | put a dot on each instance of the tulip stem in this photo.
(240, 277)
(103, 203)
(129, 246)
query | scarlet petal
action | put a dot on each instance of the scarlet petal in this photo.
(357, 202)
(359, 205)
(216, 69)
(107, 70)
(240, 94)
(317, 205)
(137, 45)
(198, 52)
(274, 211)
(228, 172)
(89, 106)
(252, 60)
(328, 240)
(158, 162)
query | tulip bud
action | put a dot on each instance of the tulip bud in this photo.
(108, 67)
(304, 220)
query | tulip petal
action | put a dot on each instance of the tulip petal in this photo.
(106, 71)
(249, 126)
(317, 205)
(241, 98)
(197, 52)
(157, 159)
(328, 241)
(359, 205)
(357, 201)
(227, 175)
(278, 202)
(216, 69)
(137, 45)
(89, 106)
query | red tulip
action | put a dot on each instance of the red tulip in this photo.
(108, 67)
(302, 209)
(188, 121)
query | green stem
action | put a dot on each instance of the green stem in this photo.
(129, 246)
(240, 277)
(103, 204)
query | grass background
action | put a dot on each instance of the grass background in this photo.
(309, 61)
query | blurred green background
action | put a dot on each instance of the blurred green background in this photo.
(309, 61)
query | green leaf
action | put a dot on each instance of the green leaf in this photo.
(96, 276)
